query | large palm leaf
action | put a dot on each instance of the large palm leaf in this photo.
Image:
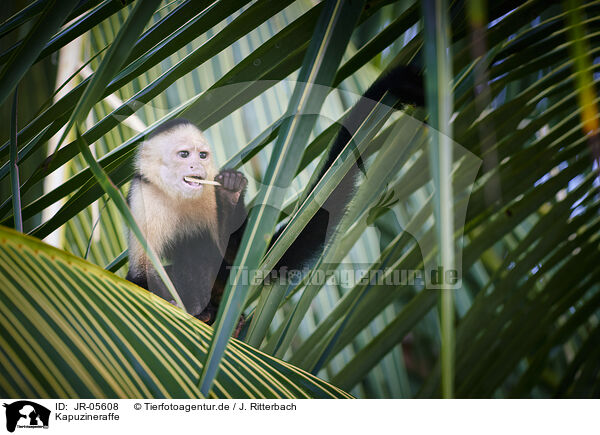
(71, 329)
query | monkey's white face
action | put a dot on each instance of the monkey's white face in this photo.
(176, 160)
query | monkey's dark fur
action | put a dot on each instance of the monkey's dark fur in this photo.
(199, 257)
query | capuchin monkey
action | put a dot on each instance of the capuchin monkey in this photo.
(196, 228)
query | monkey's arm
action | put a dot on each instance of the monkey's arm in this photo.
(231, 218)
(231, 211)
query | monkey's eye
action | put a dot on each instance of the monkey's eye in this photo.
(183, 154)
(203, 155)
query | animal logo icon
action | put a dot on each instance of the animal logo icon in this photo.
(26, 414)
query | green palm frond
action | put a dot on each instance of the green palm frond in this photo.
(71, 329)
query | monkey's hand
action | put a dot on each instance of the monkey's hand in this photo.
(233, 183)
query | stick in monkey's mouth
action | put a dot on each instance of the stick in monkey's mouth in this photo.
(190, 179)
